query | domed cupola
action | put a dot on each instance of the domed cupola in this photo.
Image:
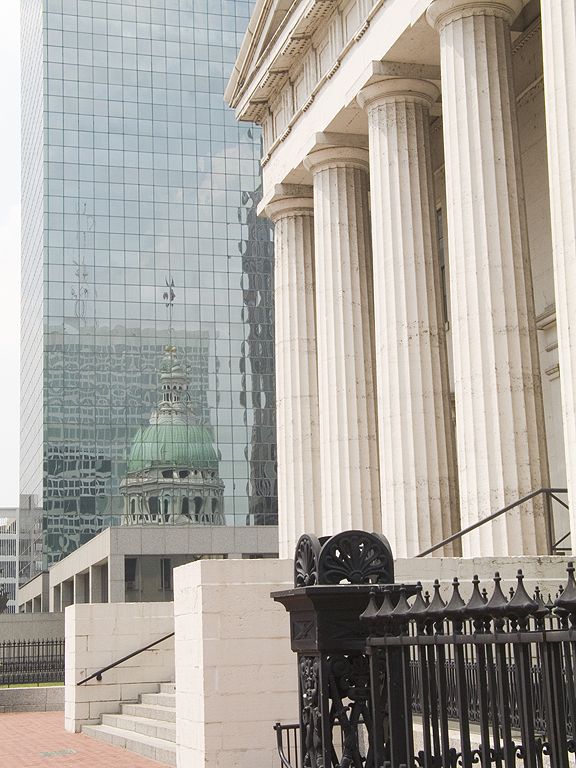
(172, 474)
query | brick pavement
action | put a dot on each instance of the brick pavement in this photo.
(38, 740)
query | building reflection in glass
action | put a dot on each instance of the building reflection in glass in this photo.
(134, 174)
(172, 475)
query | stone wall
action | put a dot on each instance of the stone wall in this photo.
(235, 672)
(100, 634)
(546, 572)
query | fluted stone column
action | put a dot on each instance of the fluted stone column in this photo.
(559, 50)
(344, 311)
(297, 421)
(417, 473)
(499, 414)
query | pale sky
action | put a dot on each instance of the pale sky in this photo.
(9, 250)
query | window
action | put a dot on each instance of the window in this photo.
(130, 572)
(165, 573)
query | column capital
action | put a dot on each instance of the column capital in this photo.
(443, 12)
(393, 89)
(334, 157)
(290, 200)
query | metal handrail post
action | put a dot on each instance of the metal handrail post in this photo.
(549, 522)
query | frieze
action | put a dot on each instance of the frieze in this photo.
(330, 36)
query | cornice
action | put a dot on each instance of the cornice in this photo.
(249, 97)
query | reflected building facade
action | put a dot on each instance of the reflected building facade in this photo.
(138, 232)
(173, 468)
(8, 560)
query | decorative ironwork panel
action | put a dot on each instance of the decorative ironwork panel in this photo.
(310, 712)
(356, 557)
(306, 561)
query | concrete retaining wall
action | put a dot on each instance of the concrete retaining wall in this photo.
(42, 699)
(31, 626)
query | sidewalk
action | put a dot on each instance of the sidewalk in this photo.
(38, 740)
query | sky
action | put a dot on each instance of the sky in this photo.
(9, 251)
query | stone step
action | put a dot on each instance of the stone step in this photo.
(159, 729)
(159, 699)
(150, 711)
(148, 746)
(167, 687)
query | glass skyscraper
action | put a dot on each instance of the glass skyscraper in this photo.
(139, 233)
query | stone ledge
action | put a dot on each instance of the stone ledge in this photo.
(41, 699)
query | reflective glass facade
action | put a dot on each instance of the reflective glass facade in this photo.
(139, 232)
(8, 560)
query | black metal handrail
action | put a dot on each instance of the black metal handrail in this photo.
(547, 491)
(98, 675)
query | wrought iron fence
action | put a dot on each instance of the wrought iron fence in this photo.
(398, 682)
(507, 665)
(287, 735)
(25, 662)
(473, 678)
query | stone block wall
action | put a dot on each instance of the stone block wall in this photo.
(100, 634)
(235, 673)
(544, 571)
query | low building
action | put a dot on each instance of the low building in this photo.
(134, 563)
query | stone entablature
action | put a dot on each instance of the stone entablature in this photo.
(304, 52)
(321, 56)
(280, 74)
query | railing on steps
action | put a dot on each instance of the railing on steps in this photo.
(100, 672)
(550, 495)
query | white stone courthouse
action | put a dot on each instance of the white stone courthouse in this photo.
(419, 163)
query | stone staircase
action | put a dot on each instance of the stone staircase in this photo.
(147, 727)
